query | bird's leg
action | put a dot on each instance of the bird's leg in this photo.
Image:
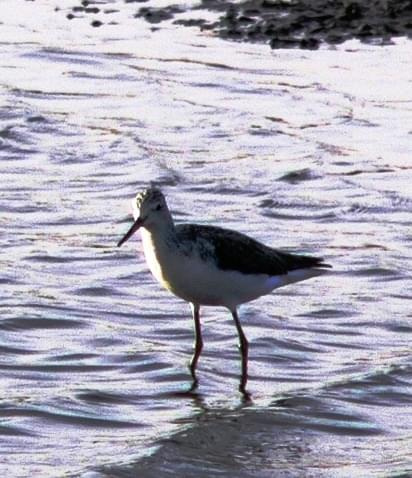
(198, 344)
(244, 348)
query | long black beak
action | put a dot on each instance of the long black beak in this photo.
(131, 231)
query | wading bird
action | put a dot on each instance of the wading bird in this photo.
(212, 266)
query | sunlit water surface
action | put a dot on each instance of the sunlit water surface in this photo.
(309, 151)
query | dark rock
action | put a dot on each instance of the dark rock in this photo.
(157, 15)
(353, 11)
(190, 22)
(244, 19)
(234, 33)
(309, 43)
(335, 39)
(391, 29)
(365, 30)
(252, 11)
(283, 43)
(286, 23)
(269, 4)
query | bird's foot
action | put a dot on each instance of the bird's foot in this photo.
(194, 385)
(247, 397)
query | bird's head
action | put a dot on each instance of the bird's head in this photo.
(149, 211)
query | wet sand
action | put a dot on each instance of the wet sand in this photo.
(282, 24)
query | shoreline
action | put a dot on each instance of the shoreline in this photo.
(278, 23)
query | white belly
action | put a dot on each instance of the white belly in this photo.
(201, 282)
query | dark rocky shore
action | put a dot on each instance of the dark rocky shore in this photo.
(281, 23)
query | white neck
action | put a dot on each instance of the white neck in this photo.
(158, 243)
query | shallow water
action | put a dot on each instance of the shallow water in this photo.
(309, 151)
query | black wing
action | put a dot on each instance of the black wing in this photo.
(235, 251)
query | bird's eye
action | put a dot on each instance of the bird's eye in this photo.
(158, 207)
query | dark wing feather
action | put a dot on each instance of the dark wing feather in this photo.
(236, 251)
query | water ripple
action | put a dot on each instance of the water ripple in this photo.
(292, 149)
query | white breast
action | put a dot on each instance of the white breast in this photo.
(200, 281)
(152, 253)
